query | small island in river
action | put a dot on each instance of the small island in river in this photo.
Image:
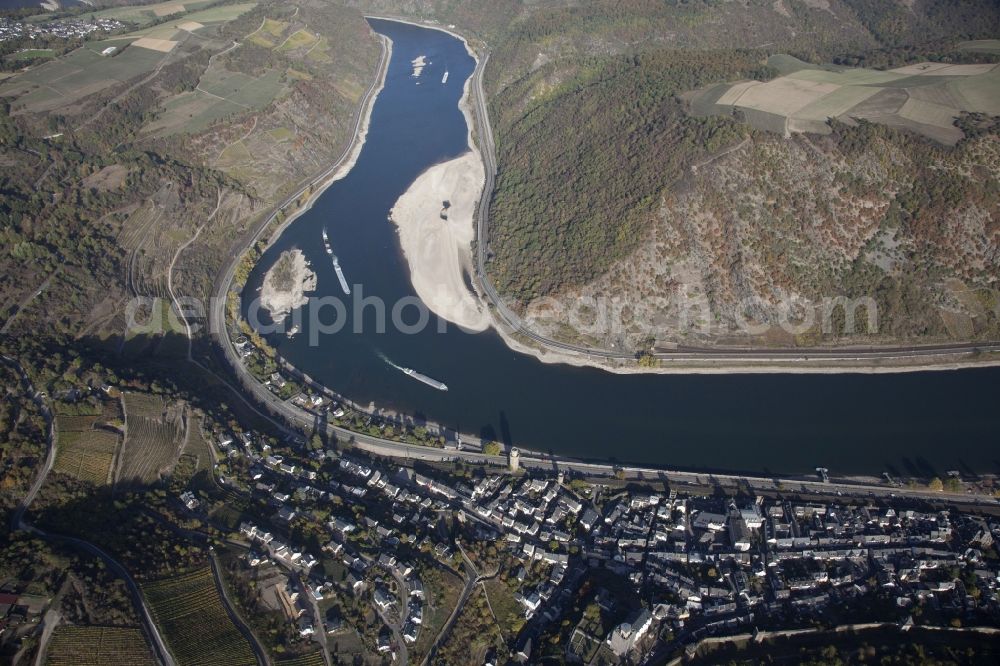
(286, 284)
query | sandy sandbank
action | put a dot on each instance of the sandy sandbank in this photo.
(439, 251)
(435, 218)
(287, 284)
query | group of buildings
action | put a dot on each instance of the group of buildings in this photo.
(70, 28)
(697, 566)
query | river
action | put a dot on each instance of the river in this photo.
(910, 423)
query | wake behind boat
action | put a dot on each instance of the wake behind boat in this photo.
(420, 377)
(336, 264)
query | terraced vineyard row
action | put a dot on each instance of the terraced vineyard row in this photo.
(146, 405)
(150, 448)
(98, 646)
(311, 659)
(194, 621)
(154, 435)
(67, 423)
(196, 445)
(84, 453)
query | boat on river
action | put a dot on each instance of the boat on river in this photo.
(430, 381)
(336, 264)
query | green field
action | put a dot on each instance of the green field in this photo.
(29, 54)
(167, 29)
(221, 93)
(298, 40)
(269, 32)
(981, 46)
(925, 98)
(61, 82)
(194, 621)
(146, 14)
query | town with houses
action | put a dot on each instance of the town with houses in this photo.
(654, 572)
(68, 28)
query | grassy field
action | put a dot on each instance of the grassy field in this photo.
(268, 34)
(28, 54)
(298, 40)
(97, 646)
(925, 98)
(153, 437)
(83, 452)
(60, 82)
(146, 14)
(194, 621)
(981, 46)
(221, 93)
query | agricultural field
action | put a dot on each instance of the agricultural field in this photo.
(146, 14)
(191, 22)
(98, 646)
(84, 452)
(194, 621)
(312, 659)
(981, 46)
(269, 33)
(28, 54)
(298, 40)
(63, 81)
(154, 434)
(196, 445)
(220, 93)
(925, 98)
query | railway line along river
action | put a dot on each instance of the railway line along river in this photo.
(918, 423)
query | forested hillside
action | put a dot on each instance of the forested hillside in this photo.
(599, 162)
(565, 209)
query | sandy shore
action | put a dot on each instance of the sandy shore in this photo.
(439, 251)
(287, 284)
